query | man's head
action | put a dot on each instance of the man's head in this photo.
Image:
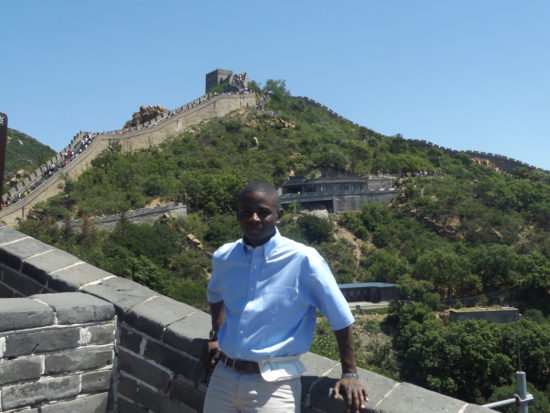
(258, 210)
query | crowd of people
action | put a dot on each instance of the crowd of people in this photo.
(50, 169)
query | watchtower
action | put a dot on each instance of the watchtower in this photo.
(215, 77)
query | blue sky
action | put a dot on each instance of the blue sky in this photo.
(468, 74)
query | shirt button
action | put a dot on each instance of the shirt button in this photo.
(252, 289)
(242, 332)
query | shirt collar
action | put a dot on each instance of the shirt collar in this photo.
(268, 248)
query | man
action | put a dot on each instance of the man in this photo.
(264, 293)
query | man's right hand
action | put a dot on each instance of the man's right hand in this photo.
(211, 354)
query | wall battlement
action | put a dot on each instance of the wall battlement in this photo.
(156, 366)
(204, 108)
(503, 162)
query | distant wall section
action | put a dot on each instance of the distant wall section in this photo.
(192, 113)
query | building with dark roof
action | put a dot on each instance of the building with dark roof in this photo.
(373, 292)
(338, 193)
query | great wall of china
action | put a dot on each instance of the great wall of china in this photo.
(503, 162)
(74, 338)
(154, 132)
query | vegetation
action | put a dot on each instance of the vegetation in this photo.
(464, 236)
(24, 152)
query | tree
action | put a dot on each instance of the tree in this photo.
(315, 229)
(385, 266)
(277, 88)
(445, 269)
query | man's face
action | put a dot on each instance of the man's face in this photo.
(257, 214)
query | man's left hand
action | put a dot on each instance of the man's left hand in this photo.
(355, 393)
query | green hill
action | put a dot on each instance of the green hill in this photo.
(24, 152)
(468, 234)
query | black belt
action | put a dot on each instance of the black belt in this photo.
(242, 366)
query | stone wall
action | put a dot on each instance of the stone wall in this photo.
(503, 162)
(135, 216)
(156, 365)
(56, 353)
(502, 315)
(204, 108)
(356, 202)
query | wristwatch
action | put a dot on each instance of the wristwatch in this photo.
(213, 335)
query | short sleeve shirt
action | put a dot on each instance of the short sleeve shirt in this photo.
(271, 295)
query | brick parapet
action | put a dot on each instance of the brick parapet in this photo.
(157, 368)
(56, 353)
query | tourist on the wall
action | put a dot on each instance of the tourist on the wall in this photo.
(264, 293)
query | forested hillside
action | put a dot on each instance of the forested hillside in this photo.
(466, 235)
(25, 152)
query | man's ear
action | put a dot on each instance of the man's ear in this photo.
(280, 213)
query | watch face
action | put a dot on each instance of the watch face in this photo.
(213, 334)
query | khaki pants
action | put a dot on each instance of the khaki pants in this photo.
(233, 392)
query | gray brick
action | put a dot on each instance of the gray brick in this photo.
(408, 397)
(125, 406)
(130, 339)
(23, 368)
(159, 403)
(320, 397)
(21, 283)
(143, 370)
(317, 365)
(79, 359)
(184, 392)
(377, 386)
(127, 386)
(14, 254)
(20, 343)
(46, 389)
(154, 315)
(19, 313)
(178, 362)
(101, 334)
(96, 403)
(122, 293)
(6, 292)
(72, 279)
(41, 266)
(8, 234)
(96, 381)
(73, 308)
(183, 334)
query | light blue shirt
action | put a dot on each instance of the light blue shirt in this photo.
(271, 294)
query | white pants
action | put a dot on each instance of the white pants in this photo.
(233, 392)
